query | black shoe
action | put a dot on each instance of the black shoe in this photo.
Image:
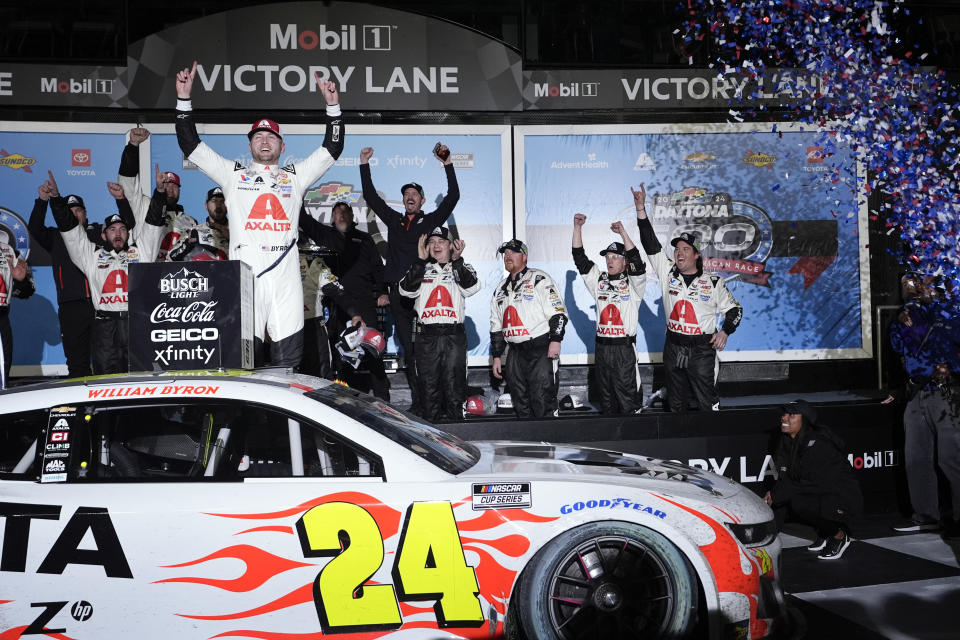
(915, 524)
(817, 544)
(834, 548)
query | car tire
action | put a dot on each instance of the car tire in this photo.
(608, 580)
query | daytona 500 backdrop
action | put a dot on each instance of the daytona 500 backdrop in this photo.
(776, 210)
(791, 247)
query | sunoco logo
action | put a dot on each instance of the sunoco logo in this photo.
(16, 161)
(759, 159)
(183, 284)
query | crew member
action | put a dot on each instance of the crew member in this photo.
(265, 201)
(106, 267)
(618, 292)
(319, 284)
(15, 281)
(359, 269)
(815, 483)
(176, 222)
(692, 298)
(527, 314)
(926, 335)
(209, 240)
(74, 307)
(439, 281)
(403, 232)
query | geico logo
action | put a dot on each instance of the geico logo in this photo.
(193, 334)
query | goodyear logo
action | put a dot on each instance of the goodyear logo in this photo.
(16, 161)
(759, 159)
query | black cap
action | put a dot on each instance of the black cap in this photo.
(213, 193)
(513, 245)
(690, 238)
(411, 185)
(440, 232)
(114, 219)
(75, 201)
(801, 407)
(615, 247)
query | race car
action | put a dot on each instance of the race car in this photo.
(276, 506)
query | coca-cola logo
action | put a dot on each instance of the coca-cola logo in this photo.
(193, 313)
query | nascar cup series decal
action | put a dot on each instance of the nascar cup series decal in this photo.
(502, 495)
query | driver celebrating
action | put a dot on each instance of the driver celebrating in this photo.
(692, 298)
(264, 200)
(106, 267)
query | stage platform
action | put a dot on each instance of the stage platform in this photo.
(737, 441)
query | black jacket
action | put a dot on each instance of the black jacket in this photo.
(403, 232)
(70, 282)
(359, 267)
(814, 463)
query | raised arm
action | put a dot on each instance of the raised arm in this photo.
(387, 215)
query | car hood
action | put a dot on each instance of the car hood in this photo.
(586, 464)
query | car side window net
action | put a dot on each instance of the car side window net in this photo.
(18, 444)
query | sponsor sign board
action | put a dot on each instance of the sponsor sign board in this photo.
(190, 315)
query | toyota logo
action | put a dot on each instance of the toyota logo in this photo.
(81, 156)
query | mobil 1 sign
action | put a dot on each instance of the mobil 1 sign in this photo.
(191, 315)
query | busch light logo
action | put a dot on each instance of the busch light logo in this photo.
(183, 284)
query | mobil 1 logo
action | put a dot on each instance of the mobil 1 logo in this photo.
(502, 495)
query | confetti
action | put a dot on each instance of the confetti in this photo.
(856, 83)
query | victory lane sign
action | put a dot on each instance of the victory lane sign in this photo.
(191, 315)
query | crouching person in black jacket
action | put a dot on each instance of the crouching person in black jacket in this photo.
(816, 485)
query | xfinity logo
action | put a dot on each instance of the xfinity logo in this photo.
(183, 284)
(566, 90)
(344, 38)
(87, 85)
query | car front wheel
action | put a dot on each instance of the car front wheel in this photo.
(608, 580)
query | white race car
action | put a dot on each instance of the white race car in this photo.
(282, 507)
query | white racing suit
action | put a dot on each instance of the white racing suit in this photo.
(691, 310)
(618, 299)
(177, 223)
(264, 203)
(439, 292)
(106, 271)
(527, 313)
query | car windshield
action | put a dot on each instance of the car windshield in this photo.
(438, 447)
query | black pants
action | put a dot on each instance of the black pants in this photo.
(285, 353)
(617, 377)
(442, 369)
(110, 344)
(532, 378)
(316, 349)
(6, 343)
(404, 317)
(690, 364)
(808, 509)
(76, 326)
(376, 381)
